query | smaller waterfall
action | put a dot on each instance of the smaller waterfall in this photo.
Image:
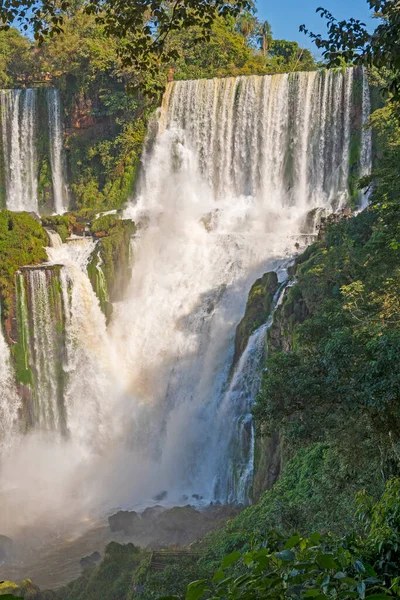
(18, 118)
(29, 117)
(233, 484)
(45, 349)
(54, 239)
(366, 140)
(9, 401)
(56, 151)
(234, 481)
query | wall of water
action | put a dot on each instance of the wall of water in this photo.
(32, 145)
(227, 186)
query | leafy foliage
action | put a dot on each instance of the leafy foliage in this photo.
(15, 57)
(350, 40)
(22, 241)
(144, 26)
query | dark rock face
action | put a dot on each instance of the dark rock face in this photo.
(6, 545)
(159, 527)
(292, 312)
(161, 496)
(124, 521)
(91, 560)
(258, 309)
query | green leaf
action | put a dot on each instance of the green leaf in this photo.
(311, 593)
(219, 576)
(361, 590)
(196, 589)
(359, 567)
(292, 542)
(378, 597)
(315, 538)
(326, 561)
(230, 559)
(286, 555)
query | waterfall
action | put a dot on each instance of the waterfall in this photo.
(283, 139)
(237, 169)
(18, 117)
(366, 139)
(9, 401)
(56, 151)
(234, 476)
(26, 148)
(55, 240)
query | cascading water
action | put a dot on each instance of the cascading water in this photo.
(366, 139)
(234, 170)
(233, 478)
(9, 401)
(21, 134)
(56, 151)
(18, 118)
(235, 167)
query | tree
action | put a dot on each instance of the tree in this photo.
(144, 25)
(265, 37)
(290, 54)
(350, 40)
(15, 57)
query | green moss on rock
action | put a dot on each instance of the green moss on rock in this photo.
(258, 309)
(22, 242)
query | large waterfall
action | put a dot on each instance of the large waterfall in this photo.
(32, 146)
(228, 182)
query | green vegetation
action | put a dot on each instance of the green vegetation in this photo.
(109, 269)
(22, 241)
(352, 42)
(258, 309)
(114, 578)
(16, 57)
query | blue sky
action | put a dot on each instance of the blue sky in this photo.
(285, 16)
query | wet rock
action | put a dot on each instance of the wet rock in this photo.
(161, 496)
(197, 497)
(124, 521)
(91, 560)
(6, 545)
(152, 512)
(258, 308)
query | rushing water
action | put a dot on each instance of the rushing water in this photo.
(22, 136)
(9, 401)
(228, 182)
(60, 190)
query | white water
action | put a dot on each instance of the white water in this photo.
(234, 169)
(234, 476)
(20, 135)
(18, 110)
(366, 140)
(60, 190)
(9, 400)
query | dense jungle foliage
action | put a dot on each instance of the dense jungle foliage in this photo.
(22, 241)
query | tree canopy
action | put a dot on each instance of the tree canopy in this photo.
(352, 41)
(143, 25)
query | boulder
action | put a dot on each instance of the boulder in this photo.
(125, 521)
(161, 496)
(152, 512)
